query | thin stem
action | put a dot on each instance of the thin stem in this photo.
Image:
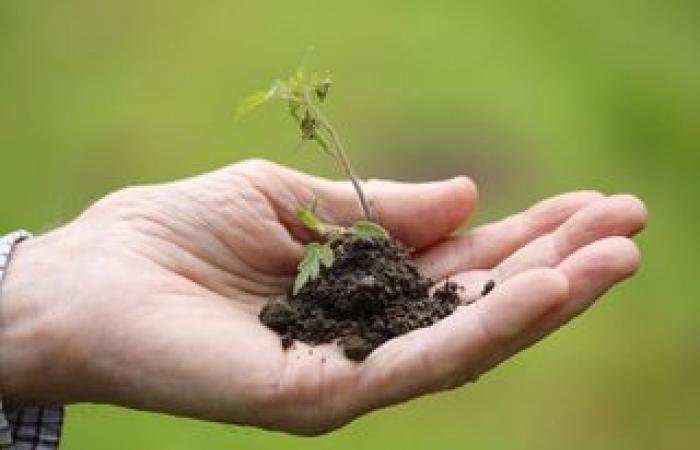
(351, 173)
(341, 155)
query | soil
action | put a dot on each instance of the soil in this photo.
(372, 293)
(488, 287)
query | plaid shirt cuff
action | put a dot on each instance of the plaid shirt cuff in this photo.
(30, 428)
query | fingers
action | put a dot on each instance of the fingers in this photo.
(590, 271)
(486, 246)
(453, 350)
(619, 215)
(512, 317)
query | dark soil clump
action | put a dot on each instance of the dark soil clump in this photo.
(371, 294)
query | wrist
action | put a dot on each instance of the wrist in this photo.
(26, 340)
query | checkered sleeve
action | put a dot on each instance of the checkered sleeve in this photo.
(27, 428)
(32, 428)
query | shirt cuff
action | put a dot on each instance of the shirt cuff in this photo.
(31, 428)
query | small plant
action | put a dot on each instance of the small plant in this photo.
(355, 285)
(304, 94)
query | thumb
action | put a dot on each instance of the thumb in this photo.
(418, 214)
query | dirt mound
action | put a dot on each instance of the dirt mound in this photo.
(372, 293)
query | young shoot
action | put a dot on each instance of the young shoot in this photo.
(304, 95)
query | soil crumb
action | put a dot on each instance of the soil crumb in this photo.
(372, 293)
(488, 287)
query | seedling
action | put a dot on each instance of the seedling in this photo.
(355, 285)
(304, 95)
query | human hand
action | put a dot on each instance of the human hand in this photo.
(149, 299)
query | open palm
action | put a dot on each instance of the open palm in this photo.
(154, 293)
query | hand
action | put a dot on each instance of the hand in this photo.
(149, 299)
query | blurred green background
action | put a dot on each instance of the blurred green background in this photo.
(529, 98)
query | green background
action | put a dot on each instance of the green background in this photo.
(530, 98)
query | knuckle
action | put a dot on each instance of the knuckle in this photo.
(255, 165)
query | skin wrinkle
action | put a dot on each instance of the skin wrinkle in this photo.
(491, 343)
(259, 218)
(246, 272)
(204, 307)
(236, 278)
(115, 368)
(286, 221)
(281, 207)
(100, 364)
(311, 409)
(494, 340)
(280, 390)
(524, 231)
(427, 357)
(321, 395)
(127, 369)
(367, 374)
(223, 180)
(252, 213)
(341, 399)
(325, 390)
(559, 247)
(225, 290)
(301, 196)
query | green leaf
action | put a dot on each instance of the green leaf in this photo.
(260, 97)
(300, 281)
(250, 103)
(326, 255)
(315, 255)
(369, 229)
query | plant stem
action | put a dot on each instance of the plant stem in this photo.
(351, 174)
(342, 157)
